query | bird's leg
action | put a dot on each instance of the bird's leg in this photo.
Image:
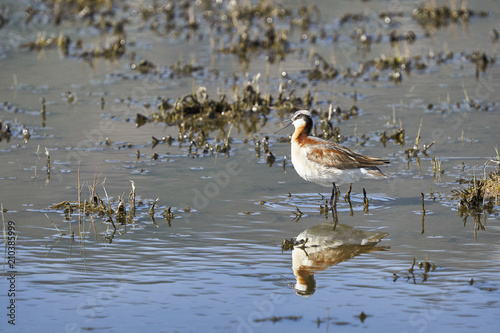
(333, 202)
(365, 201)
(333, 199)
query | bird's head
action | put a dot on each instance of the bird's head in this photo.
(300, 119)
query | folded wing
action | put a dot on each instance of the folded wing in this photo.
(330, 154)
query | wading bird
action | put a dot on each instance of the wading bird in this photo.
(327, 163)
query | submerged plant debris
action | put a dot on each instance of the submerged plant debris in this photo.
(13, 131)
(275, 319)
(195, 110)
(478, 199)
(431, 15)
(115, 213)
(418, 270)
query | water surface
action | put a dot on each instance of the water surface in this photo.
(221, 267)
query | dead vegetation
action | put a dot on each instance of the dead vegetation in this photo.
(481, 195)
(114, 213)
(479, 199)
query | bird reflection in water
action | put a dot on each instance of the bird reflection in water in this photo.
(325, 245)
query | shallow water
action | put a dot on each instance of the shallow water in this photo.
(221, 267)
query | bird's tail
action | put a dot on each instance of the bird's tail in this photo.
(374, 172)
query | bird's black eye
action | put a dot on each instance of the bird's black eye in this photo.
(299, 116)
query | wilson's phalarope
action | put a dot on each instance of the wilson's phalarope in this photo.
(326, 163)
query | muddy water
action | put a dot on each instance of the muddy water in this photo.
(221, 265)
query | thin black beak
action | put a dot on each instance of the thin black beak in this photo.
(287, 125)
